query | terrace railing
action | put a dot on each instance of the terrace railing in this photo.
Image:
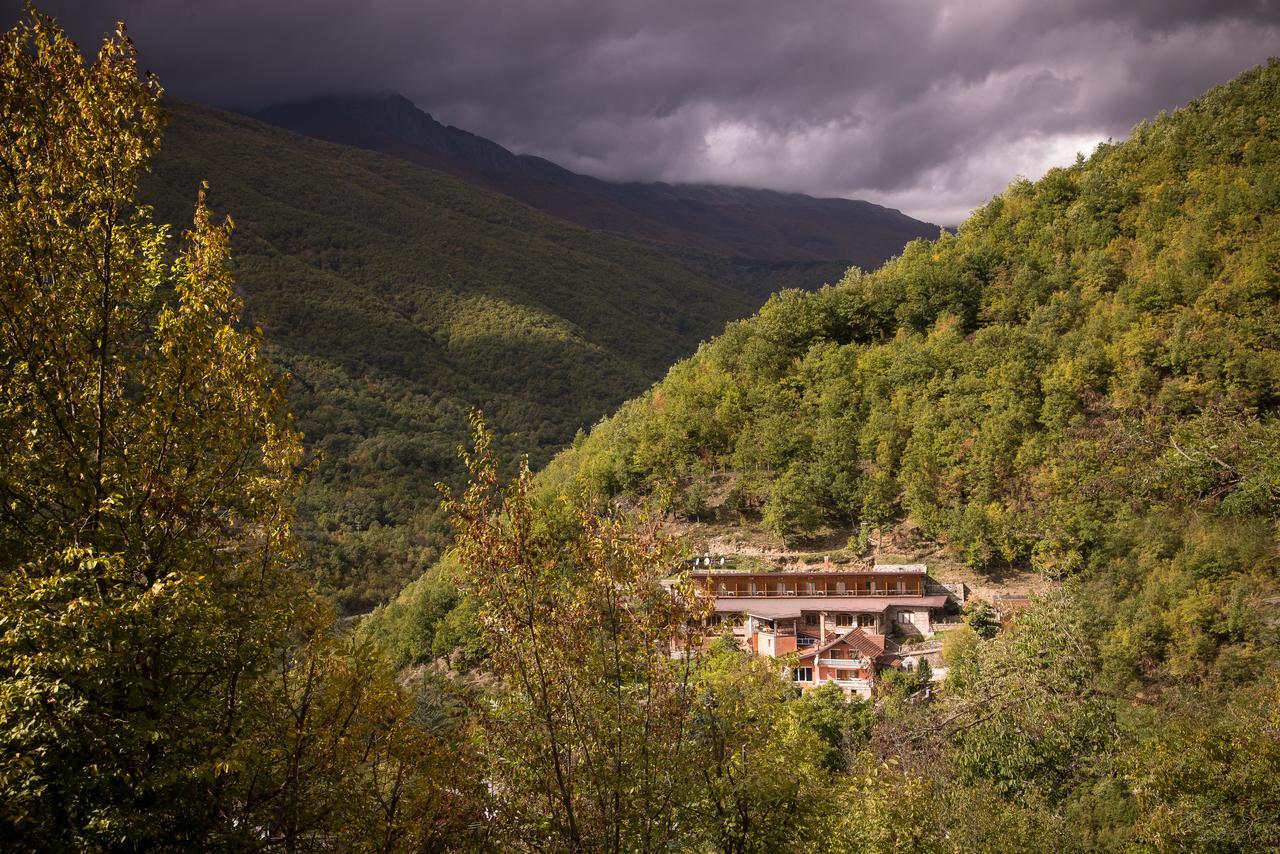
(725, 591)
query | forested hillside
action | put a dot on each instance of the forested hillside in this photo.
(1084, 381)
(398, 298)
(1089, 348)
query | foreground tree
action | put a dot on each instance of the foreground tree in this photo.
(587, 742)
(1205, 780)
(758, 754)
(143, 451)
(146, 455)
(1017, 713)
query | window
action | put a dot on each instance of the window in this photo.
(714, 620)
(844, 620)
(843, 675)
(867, 620)
(811, 619)
(804, 674)
(905, 617)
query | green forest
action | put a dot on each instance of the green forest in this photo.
(1082, 380)
(397, 298)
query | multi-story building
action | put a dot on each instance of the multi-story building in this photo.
(837, 623)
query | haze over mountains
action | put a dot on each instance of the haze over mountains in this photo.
(739, 222)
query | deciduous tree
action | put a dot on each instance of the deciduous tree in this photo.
(165, 678)
(587, 742)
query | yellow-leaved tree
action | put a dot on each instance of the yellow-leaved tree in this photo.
(166, 678)
(586, 742)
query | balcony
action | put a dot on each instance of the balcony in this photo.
(854, 684)
(740, 593)
(845, 663)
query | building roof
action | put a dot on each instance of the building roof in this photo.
(820, 570)
(783, 607)
(867, 645)
(901, 568)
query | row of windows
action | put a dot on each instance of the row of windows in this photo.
(810, 589)
(843, 621)
(805, 674)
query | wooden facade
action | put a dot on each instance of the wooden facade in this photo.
(835, 623)
(769, 584)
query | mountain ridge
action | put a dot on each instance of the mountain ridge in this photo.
(742, 222)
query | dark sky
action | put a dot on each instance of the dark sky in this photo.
(930, 107)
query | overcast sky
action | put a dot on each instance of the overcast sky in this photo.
(929, 107)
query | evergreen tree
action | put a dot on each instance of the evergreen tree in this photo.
(924, 673)
(982, 618)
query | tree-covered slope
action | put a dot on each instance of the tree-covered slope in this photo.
(1134, 289)
(398, 298)
(1084, 379)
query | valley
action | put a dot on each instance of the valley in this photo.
(367, 486)
(399, 298)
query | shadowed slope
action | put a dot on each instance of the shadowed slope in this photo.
(399, 297)
(738, 222)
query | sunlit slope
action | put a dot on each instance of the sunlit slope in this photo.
(1101, 340)
(1083, 381)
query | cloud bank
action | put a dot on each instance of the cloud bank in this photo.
(929, 107)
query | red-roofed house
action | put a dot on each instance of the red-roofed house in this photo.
(848, 659)
(836, 621)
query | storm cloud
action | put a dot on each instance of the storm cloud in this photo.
(929, 107)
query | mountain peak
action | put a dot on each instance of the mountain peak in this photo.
(377, 113)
